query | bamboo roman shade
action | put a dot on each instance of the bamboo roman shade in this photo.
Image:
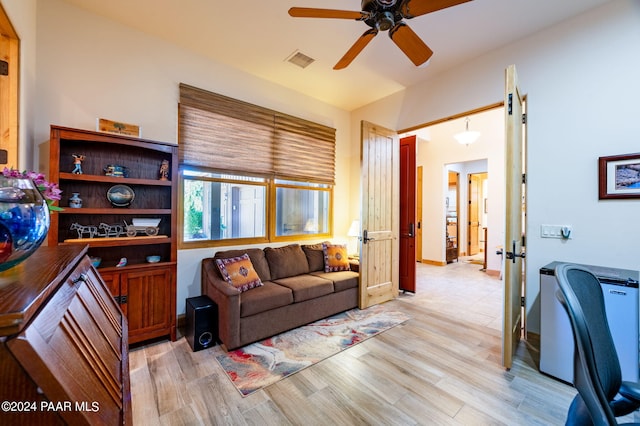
(228, 135)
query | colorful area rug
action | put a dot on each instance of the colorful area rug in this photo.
(261, 364)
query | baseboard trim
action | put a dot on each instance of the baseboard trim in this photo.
(434, 262)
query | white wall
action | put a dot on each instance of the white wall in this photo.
(581, 80)
(91, 67)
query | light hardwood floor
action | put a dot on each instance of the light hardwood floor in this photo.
(440, 367)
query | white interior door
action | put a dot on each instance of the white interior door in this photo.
(380, 215)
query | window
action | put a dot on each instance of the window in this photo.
(250, 174)
(223, 207)
(301, 208)
(220, 209)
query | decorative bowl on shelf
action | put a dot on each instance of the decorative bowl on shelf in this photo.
(95, 261)
(153, 259)
(24, 220)
(120, 195)
(146, 221)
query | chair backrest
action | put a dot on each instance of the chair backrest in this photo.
(597, 375)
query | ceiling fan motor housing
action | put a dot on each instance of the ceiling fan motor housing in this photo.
(382, 14)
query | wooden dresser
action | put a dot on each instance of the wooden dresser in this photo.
(63, 343)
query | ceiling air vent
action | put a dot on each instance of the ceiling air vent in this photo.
(300, 59)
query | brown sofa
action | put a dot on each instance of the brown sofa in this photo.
(296, 291)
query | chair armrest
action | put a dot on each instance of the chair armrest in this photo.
(211, 276)
(226, 298)
(630, 390)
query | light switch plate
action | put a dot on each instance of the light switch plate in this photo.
(556, 231)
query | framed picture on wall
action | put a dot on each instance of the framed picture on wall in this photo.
(117, 127)
(619, 176)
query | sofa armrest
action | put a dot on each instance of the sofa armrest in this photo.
(226, 298)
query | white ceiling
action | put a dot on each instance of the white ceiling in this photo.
(256, 36)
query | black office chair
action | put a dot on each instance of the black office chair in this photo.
(602, 395)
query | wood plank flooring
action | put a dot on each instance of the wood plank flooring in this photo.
(440, 367)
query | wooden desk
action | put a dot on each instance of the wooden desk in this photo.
(63, 343)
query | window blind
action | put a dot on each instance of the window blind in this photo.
(225, 134)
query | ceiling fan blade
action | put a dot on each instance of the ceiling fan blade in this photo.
(357, 47)
(413, 8)
(409, 42)
(310, 12)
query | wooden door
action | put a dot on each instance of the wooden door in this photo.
(380, 215)
(419, 214)
(112, 281)
(473, 237)
(452, 232)
(513, 247)
(407, 259)
(150, 306)
(9, 87)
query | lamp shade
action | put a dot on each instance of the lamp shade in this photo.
(467, 137)
(354, 229)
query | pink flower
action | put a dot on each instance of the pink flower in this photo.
(49, 190)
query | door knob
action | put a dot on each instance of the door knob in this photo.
(512, 254)
(365, 237)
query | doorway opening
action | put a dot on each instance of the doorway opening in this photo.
(469, 211)
(445, 231)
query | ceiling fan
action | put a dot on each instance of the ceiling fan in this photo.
(383, 15)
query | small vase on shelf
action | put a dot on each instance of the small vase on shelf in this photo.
(75, 202)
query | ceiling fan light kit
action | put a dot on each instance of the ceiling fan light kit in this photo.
(384, 15)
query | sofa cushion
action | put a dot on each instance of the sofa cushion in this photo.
(239, 272)
(342, 280)
(286, 261)
(261, 299)
(258, 260)
(315, 256)
(335, 258)
(306, 286)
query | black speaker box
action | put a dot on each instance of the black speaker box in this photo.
(202, 323)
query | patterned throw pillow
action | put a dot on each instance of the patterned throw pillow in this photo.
(335, 258)
(239, 272)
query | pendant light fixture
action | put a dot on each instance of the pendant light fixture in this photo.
(467, 137)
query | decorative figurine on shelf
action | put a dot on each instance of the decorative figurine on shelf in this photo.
(164, 170)
(77, 163)
(75, 202)
(116, 170)
(123, 262)
(88, 230)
